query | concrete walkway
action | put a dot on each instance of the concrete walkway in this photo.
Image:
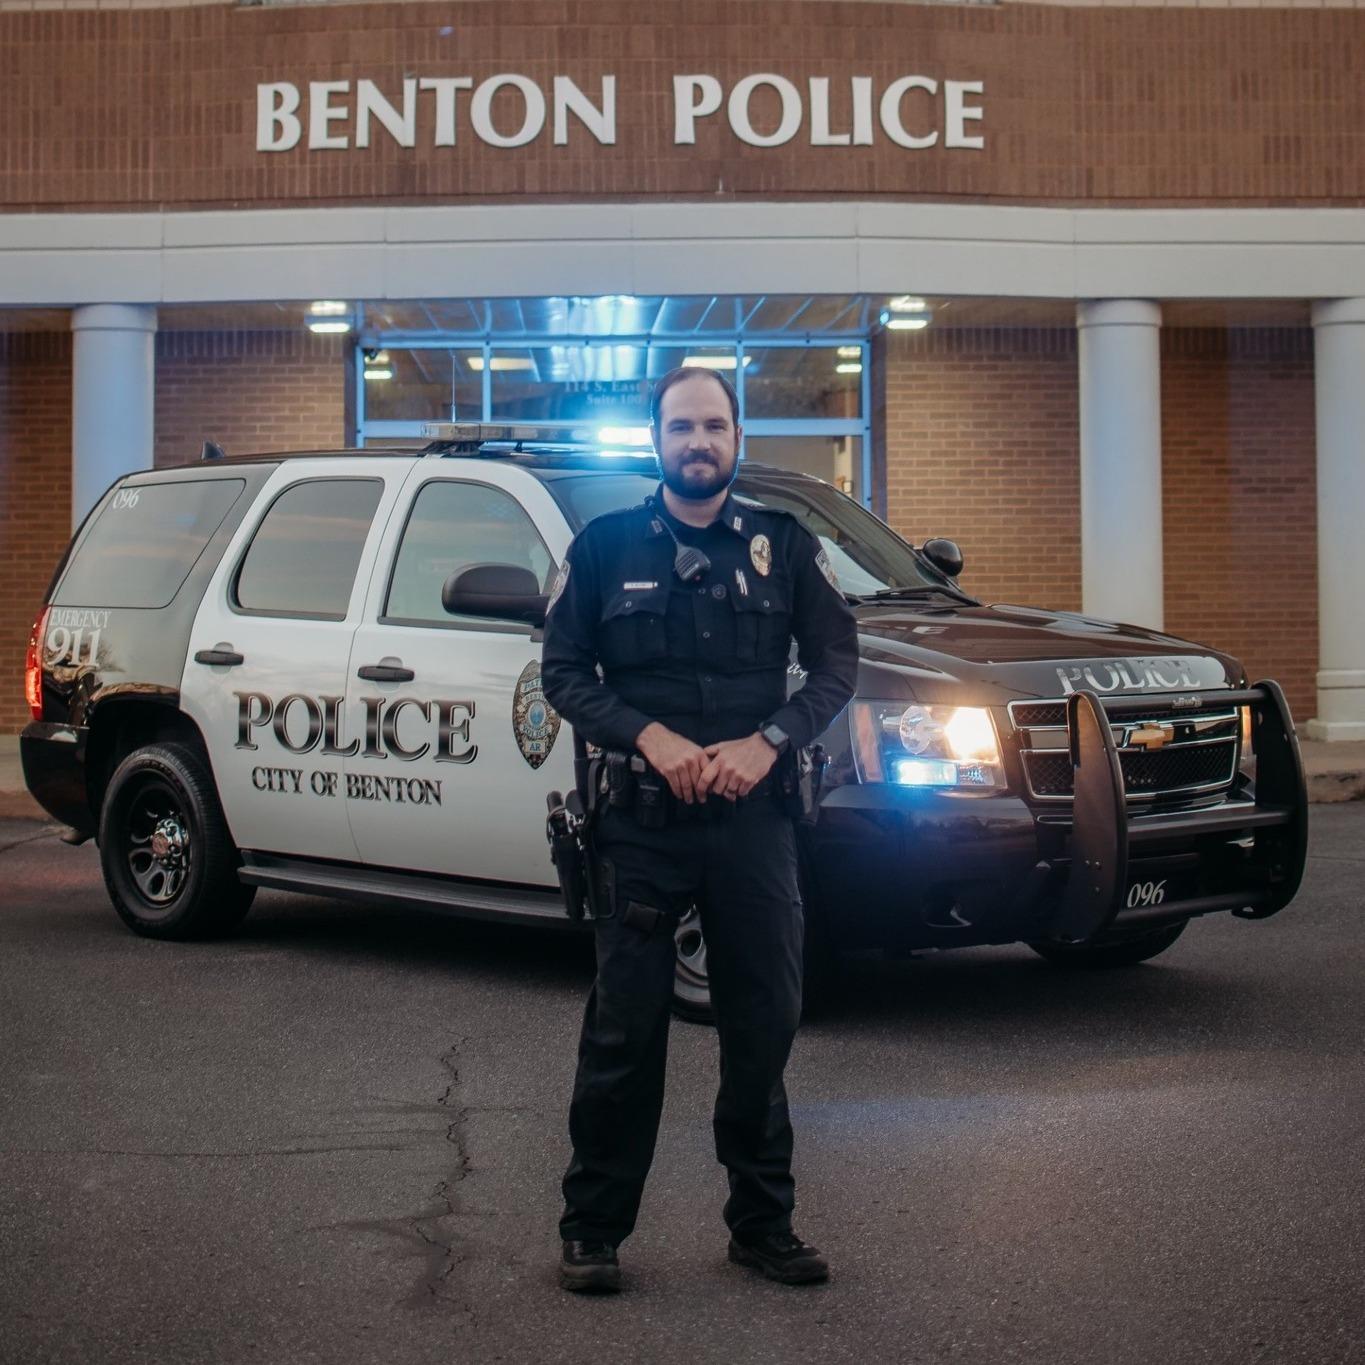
(1336, 772)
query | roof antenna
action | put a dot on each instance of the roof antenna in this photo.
(212, 451)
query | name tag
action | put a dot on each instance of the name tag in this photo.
(637, 587)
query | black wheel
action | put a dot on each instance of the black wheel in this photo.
(819, 952)
(169, 863)
(1126, 951)
(691, 986)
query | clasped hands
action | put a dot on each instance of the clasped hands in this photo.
(731, 768)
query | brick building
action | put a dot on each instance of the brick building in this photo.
(1082, 287)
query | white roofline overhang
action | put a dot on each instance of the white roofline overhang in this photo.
(62, 260)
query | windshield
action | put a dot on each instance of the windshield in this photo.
(866, 554)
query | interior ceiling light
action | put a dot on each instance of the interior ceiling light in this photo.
(379, 372)
(851, 352)
(329, 308)
(713, 362)
(326, 325)
(908, 303)
(849, 367)
(502, 363)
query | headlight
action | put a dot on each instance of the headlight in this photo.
(1248, 761)
(926, 746)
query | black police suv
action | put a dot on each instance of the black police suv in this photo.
(267, 672)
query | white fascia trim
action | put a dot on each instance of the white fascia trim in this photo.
(63, 260)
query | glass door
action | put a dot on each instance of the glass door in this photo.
(805, 399)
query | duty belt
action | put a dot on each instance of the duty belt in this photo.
(629, 784)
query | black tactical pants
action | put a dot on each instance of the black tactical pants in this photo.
(741, 873)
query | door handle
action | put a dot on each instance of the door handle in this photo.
(226, 657)
(386, 672)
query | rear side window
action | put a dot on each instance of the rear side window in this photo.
(304, 555)
(145, 541)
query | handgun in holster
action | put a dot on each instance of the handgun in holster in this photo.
(584, 878)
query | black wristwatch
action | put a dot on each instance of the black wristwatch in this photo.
(777, 737)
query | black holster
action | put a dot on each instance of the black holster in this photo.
(797, 778)
(584, 878)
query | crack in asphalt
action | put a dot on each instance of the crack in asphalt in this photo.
(443, 1251)
(48, 832)
(427, 1233)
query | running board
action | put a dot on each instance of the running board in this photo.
(408, 890)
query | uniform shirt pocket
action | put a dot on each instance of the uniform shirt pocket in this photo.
(631, 630)
(763, 625)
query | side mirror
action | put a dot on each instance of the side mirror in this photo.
(502, 592)
(943, 555)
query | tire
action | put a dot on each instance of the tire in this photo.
(820, 968)
(691, 988)
(1127, 951)
(169, 863)
(692, 991)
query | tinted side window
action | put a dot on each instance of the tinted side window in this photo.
(303, 557)
(144, 542)
(453, 525)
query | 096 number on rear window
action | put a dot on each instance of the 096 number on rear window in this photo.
(144, 542)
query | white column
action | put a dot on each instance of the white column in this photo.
(1120, 379)
(112, 376)
(1339, 381)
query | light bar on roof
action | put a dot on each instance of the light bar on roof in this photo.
(624, 436)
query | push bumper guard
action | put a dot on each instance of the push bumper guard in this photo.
(1099, 833)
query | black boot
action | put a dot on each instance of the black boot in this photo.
(781, 1256)
(590, 1267)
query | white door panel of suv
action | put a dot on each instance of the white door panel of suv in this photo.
(458, 746)
(265, 674)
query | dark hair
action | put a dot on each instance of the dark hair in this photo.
(662, 386)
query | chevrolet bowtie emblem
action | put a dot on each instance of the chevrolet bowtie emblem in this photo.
(1151, 736)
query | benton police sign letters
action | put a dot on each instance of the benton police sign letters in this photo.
(912, 111)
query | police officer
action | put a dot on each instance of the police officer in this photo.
(689, 603)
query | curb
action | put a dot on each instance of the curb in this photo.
(1331, 788)
(19, 805)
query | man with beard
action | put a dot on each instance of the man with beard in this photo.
(689, 603)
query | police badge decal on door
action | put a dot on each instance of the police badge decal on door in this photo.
(534, 721)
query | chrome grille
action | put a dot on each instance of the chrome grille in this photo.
(1200, 756)
(1026, 714)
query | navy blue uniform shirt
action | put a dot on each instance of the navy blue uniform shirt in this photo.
(708, 659)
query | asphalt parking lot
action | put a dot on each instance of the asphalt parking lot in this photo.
(338, 1137)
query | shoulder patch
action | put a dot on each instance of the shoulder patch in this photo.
(561, 582)
(822, 563)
